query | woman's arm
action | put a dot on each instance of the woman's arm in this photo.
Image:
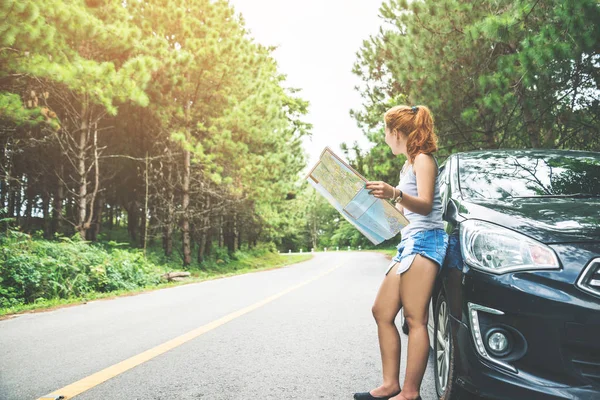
(425, 171)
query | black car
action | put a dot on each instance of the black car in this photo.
(516, 309)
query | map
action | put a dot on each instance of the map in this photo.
(344, 188)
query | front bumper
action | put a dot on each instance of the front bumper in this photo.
(488, 380)
(557, 333)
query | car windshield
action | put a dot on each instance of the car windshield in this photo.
(496, 175)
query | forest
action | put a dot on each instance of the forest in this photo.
(160, 132)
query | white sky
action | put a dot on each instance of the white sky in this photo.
(317, 43)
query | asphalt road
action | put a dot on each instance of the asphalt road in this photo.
(315, 339)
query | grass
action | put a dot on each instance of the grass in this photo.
(243, 265)
(388, 252)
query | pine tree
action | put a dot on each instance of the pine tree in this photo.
(495, 74)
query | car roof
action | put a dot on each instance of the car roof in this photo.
(529, 152)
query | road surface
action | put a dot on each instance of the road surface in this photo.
(301, 332)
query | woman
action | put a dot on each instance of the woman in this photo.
(411, 275)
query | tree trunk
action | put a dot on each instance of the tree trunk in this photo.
(18, 202)
(12, 194)
(92, 200)
(201, 247)
(3, 182)
(185, 225)
(57, 205)
(152, 224)
(204, 231)
(3, 190)
(81, 171)
(97, 222)
(8, 197)
(168, 234)
(221, 233)
(46, 213)
(234, 232)
(29, 201)
(168, 228)
(229, 236)
(143, 230)
(239, 235)
(132, 221)
(111, 215)
(145, 214)
(85, 199)
(209, 236)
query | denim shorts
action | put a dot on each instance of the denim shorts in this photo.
(431, 244)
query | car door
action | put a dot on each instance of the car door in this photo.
(444, 182)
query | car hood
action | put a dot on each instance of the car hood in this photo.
(548, 220)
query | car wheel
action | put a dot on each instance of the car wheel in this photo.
(443, 348)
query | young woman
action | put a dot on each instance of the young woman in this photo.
(411, 275)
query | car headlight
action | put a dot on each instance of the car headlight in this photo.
(498, 250)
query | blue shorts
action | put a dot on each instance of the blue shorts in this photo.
(431, 244)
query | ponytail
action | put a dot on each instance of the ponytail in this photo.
(417, 123)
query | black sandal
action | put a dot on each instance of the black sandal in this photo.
(369, 396)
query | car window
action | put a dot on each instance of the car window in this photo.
(497, 175)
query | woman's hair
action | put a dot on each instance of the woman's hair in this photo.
(416, 123)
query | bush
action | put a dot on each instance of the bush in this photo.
(34, 270)
(31, 270)
(220, 254)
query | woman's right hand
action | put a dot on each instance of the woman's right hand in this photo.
(380, 189)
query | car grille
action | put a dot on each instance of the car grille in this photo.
(590, 278)
(587, 362)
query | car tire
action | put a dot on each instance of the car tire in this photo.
(443, 350)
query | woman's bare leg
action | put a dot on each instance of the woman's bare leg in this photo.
(386, 307)
(416, 286)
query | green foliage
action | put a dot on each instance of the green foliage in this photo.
(12, 109)
(495, 73)
(146, 79)
(37, 269)
(37, 273)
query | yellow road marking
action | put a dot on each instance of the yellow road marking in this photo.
(99, 377)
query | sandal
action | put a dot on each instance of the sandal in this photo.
(369, 396)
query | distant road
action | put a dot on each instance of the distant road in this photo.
(300, 332)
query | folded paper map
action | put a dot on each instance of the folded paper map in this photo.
(344, 188)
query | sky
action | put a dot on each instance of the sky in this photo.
(317, 43)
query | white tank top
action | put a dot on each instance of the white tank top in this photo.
(418, 222)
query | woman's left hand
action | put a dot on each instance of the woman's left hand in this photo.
(380, 189)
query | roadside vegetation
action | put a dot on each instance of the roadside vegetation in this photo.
(39, 274)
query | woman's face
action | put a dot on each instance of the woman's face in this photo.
(396, 141)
